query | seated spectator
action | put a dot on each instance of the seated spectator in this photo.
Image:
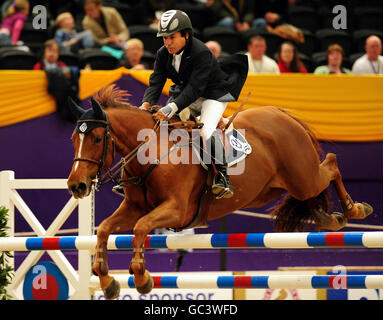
(270, 13)
(372, 61)
(335, 59)
(258, 61)
(288, 59)
(133, 54)
(13, 22)
(235, 15)
(50, 58)
(106, 24)
(68, 38)
(214, 47)
(62, 80)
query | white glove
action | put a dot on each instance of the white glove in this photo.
(169, 110)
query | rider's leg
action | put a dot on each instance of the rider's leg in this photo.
(211, 113)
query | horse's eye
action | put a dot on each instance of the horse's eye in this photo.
(97, 139)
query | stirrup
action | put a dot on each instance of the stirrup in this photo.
(118, 190)
(222, 191)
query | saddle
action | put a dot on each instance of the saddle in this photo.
(236, 151)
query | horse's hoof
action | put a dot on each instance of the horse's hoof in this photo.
(359, 211)
(339, 221)
(147, 287)
(112, 291)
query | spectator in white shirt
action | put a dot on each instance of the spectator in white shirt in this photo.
(258, 61)
(372, 61)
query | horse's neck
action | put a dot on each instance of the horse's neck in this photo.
(126, 125)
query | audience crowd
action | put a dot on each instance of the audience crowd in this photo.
(91, 26)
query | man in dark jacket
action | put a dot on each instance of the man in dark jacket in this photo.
(200, 82)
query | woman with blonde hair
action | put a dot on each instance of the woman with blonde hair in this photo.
(13, 22)
(134, 51)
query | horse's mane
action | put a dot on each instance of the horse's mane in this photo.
(112, 97)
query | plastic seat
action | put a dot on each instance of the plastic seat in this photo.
(13, 59)
(148, 36)
(199, 16)
(33, 38)
(304, 17)
(327, 37)
(353, 57)
(369, 18)
(148, 58)
(229, 40)
(69, 58)
(97, 59)
(310, 44)
(306, 60)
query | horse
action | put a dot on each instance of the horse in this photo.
(287, 160)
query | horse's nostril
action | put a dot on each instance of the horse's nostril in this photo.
(73, 189)
(81, 187)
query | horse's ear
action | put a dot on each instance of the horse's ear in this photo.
(76, 110)
(99, 113)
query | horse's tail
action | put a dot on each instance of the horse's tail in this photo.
(292, 214)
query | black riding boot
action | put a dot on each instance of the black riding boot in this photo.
(221, 187)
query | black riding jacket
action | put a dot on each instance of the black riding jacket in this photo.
(200, 75)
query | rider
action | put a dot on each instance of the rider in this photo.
(200, 82)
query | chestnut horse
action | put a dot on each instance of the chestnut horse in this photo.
(285, 159)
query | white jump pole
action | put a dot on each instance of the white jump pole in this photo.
(254, 282)
(304, 240)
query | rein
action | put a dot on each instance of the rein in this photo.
(112, 172)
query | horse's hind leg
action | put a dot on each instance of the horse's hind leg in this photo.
(121, 219)
(350, 209)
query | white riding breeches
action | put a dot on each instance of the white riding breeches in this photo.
(210, 112)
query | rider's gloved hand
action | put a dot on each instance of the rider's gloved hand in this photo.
(165, 113)
(145, 106)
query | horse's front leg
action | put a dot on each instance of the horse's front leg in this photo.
(167, 215)
(124, 218)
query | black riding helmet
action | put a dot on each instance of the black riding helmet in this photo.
(173, 21)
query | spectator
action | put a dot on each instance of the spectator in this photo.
(62, 80)
(50, 59)
(133, 55)
(106, 24)
(288, 59)
(270, 13)
(150, 11)
(214, 47)
(236, 15)
(372, 61)
(67, 37)
(258, 61)
(13, 22)
(335, 59)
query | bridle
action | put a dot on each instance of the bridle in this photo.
(107, 137)
(112, 172)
